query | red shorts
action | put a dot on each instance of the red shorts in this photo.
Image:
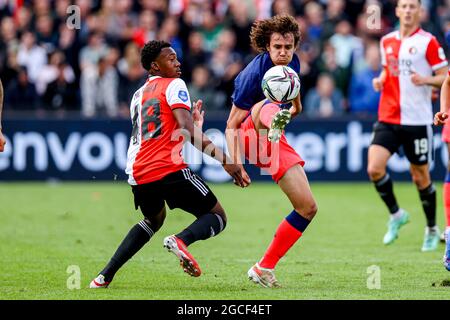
(275, 158)
(446, 133)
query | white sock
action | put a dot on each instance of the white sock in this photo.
(433, 229)
(398, 214)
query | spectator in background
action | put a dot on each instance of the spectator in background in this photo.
(314, 17)
(23, 20)
(194, 55)
(363, 100)
(345, 44)
(333, 14)
(96, 48)
(159, 7)
(241, 24)
(60, 95)
(146, 30)
(169, 32)
(42, 7)
(85, 13)
(99, 87)
(70, 47)
(281, 7)
(328, 64)
(325, 100)
(60, 14)
(122, 22)
(8, 45)
(225, 63)
(11, 68)
(31, 56)
(51, 71)
(132, 76)
(44, 33)
(210, 30)
(200, 88)
(21, 93)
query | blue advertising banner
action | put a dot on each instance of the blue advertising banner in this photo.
(334, 150)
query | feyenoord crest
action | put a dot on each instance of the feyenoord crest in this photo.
(412, 50)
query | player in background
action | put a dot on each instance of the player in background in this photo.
(161, 117)
(275, 39)
(441, 118)
(409, 58)
(2, 138)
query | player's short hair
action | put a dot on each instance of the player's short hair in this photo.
(151, 51)
(262, 30)
(420, 2)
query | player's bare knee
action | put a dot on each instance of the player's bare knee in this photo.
(312, 211)
(375, 173)
(420, 179)
(308, 211)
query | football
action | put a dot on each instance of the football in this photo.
(280, 84)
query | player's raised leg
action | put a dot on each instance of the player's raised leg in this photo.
(136, 238)
(274, 119)
(295, 185)
(378, 157)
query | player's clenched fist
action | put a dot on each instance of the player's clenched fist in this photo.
(440, 118)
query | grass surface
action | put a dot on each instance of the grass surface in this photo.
(46, 228)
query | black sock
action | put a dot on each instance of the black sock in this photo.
(204, 227)
(386, 191)
(139, 235)
(428, 198)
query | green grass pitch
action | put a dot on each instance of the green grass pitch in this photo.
(46, 228)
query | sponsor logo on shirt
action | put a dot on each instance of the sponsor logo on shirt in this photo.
(183, 95)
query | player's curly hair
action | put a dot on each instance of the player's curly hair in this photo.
(263, 29)
(151, 51)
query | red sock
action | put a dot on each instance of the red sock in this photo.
(447, 202)
(285, 237)
(267, 112)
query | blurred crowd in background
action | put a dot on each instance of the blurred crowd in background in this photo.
(50, 69)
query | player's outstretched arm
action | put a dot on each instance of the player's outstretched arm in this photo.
(2, 138)
(441, 117)
(234, 121)
(201, 142)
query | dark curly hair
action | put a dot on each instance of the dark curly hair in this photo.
(263, 29)
(151, 51)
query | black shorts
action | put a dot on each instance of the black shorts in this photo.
(182, 189)
(417, 141)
